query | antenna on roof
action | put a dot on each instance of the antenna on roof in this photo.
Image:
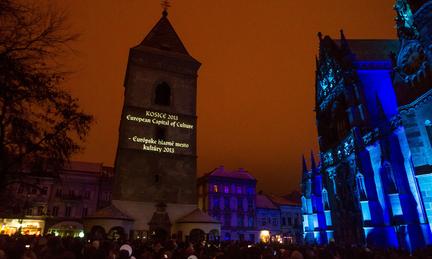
(165, 5)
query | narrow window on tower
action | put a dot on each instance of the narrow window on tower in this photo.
(163, 94)
(428, 125)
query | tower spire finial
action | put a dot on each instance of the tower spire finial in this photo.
(165, 5)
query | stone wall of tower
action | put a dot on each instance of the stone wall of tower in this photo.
(156, 155)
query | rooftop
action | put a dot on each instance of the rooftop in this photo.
(238, 174)
(197, 216)
(264, 202)
(164, 37)
(372, 50)
(87, 167)
(282, 201)
(110, 212)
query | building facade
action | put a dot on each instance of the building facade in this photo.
(372, 109)
(268, 219)
(413, 86)
(229, 196)
(291, 229)
(58, 203)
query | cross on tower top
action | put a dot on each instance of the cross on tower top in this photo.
(165, 5)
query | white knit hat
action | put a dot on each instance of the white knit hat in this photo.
(127, 248)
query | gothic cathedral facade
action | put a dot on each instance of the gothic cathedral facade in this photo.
(373, 184)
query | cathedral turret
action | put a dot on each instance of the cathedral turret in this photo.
(313, 164)
(306, 179)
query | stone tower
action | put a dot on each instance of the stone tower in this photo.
(156, 155)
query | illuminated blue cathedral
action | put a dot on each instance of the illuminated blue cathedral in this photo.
(373, 184)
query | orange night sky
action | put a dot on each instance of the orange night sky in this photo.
(256, 84)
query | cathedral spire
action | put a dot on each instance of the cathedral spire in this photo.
(304, 164)
(313, 165)
(305, 172)
(344, 42)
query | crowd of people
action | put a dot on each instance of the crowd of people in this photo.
(51, 247)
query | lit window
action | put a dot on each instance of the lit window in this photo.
(240, 221)
(250, 204)
(40, 210)
(163, 94)
(239, 190)
(250, 221)
(227, 220)
(44, 190)
(226, 189)
(325, 199)
(304, 205)
(87, 195)
(388, 171)
(215, 204)
(68, 211)
(226, 203)
(55, 211)
(361, 186)
(428, 125)
(365, 210)
(227, 236)
(215, 188)
(240, 203)
(250, 190)
(395, 204)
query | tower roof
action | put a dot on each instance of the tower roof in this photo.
(164, 37)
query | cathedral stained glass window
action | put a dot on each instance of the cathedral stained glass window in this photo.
(428, 125)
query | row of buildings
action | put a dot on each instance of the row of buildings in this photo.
(57, 203)
(373, 184)
(82, 192)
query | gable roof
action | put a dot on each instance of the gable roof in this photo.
(281, 201)
(197, 216)
(164, 37)
(263, 202)
(110, 212)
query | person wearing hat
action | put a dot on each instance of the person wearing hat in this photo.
(126, 252)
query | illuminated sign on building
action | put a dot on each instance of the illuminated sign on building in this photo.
(150, 131)
(159, 118)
